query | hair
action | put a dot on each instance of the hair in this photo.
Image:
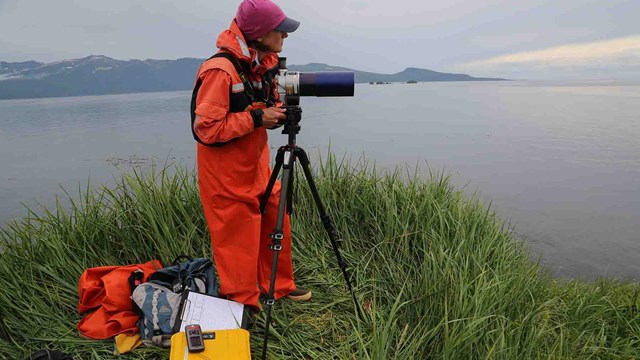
(254, 43)
(257, 45)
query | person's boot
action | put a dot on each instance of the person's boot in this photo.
(299, 294)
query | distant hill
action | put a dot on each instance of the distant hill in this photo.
(95, 75)
(407, 74)
(98, 75)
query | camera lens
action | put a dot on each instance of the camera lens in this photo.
(329, 83)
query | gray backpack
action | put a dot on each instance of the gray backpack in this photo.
(159, 307)
(158, 300)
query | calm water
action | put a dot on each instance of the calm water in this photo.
(560, 161)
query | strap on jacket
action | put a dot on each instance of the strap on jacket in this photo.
(248, 89)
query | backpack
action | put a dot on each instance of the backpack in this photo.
(158, 300)
(195, 274)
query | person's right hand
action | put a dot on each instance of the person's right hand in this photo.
(271, 116)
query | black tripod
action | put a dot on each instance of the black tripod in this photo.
(285, 160)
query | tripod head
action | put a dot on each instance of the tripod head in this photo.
(294, 116)
(292, 123)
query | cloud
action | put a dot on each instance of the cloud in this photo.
(622, 54)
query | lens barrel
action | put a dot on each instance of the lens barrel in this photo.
(329, 83)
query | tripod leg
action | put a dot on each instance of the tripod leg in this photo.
(272, 180)
(328, 224)
(290, 189)
(276, 240)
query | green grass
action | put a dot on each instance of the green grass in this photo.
(438, 276)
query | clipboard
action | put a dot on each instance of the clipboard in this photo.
(210, 312)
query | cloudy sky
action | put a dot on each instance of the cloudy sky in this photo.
(529, 39)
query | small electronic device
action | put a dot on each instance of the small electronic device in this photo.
(195, 342)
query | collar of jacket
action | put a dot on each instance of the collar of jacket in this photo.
(233, 41)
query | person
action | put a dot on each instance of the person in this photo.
(236, 101)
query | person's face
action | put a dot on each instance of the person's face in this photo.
(274, 40)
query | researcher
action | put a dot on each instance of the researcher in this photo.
(234, 104)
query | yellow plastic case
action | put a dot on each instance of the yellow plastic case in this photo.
(218, 344)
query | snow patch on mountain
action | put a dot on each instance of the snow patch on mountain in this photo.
(4, 77)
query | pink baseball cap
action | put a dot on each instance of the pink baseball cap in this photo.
(257, 17)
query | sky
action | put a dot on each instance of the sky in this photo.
(518, 39)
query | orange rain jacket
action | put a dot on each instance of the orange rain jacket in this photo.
(232, 177)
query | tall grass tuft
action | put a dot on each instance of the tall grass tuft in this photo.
(437, 274)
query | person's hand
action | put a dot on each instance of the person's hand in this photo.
(272, 116)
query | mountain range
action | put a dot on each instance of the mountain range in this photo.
(98, 75)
